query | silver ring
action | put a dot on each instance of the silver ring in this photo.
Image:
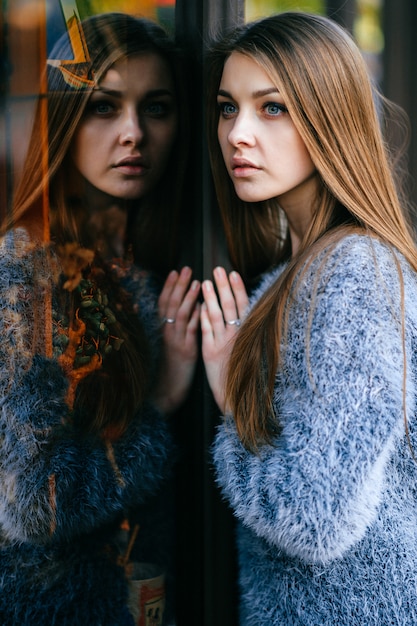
(234, 322)
(168, 320)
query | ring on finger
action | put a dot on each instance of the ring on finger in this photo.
(236, 322)
(168, 320)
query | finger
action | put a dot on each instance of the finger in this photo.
(178, 292)
(188, 304)
(213, 309)
(240, 294)
(227, 298)
(194, 321)
(190, 345)
(166, 292)
(205, 324)
(182, 344)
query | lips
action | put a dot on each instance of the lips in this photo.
(131, 166)
(236, 162)
(131, 161)
(243, 167)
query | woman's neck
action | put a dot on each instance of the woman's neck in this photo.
(105, 230)
(103, 219)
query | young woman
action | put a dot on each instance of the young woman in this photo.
(315, 373)
(85, 439)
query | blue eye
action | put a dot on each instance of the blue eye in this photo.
(103, 108)
(157, 109)
(100, 107)
(227, 109)
(274, 108)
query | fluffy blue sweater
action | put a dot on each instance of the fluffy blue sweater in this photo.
(57, 565)
(327, 530)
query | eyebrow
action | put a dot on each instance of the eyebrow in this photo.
(118, 94)
(256, 94)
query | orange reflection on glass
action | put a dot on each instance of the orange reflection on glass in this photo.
(147, 8)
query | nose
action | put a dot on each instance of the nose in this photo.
(243, 130)
(131, 128)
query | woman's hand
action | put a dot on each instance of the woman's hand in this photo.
(179, 312)
(220, 320)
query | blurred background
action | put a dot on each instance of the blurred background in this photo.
(385, 32)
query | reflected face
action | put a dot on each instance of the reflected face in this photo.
(123, 143)
(263, 151)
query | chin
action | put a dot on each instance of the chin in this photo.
(132, 194)
(252, 198)
(250, 195)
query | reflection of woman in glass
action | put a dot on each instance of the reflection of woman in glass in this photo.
(84, 397)
(320, 379)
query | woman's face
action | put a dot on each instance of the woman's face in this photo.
(124, 140)
(263, 151)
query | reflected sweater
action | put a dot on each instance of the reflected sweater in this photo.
(327, 515)
(62, 495)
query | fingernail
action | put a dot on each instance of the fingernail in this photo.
(195, 285)
(207, 285)
(234, 276)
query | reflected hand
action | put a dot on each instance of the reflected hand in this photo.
(220, 320)
(179, 312)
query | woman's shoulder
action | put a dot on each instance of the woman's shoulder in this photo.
(15, 244)
(23, 260)
(360, 247)
(363, 272)
(365, 258)
(343, 259)
(340, 266)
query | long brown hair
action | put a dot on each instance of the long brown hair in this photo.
(324, 82)
(109, 397)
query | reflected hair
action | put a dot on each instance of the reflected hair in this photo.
(108, 38)
(108, 399)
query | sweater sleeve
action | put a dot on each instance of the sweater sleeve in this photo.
(54, 483)
(338, 399)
